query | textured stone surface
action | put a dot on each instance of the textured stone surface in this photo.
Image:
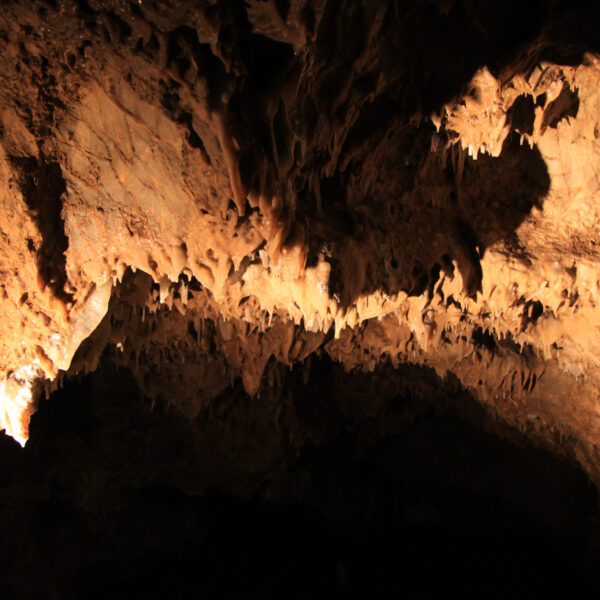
(215, 189)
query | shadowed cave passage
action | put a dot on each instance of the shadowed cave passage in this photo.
(305, 492)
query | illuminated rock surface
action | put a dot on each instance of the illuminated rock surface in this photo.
(231, 201)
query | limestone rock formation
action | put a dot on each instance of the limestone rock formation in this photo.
(205, 191)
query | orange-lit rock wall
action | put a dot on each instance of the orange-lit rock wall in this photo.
(211, 188)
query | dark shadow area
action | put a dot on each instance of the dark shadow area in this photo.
(42, 186)
(407, 235)
(498, 193)
(566, 106)
(343, 485)
(521, 115)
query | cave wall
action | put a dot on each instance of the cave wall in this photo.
(219, 190)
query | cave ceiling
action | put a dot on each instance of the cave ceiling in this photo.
(212, 192)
